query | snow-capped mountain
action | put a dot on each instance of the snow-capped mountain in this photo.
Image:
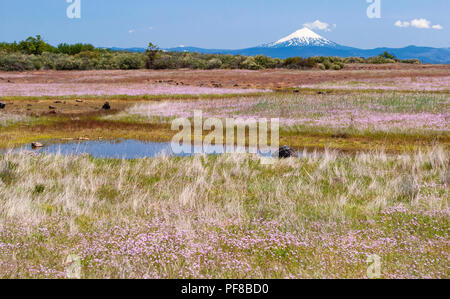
(307, 43)
(301, 38)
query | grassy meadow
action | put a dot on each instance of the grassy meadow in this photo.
(373, 179)
(319, 216)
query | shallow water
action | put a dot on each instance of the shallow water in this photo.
(123, 149)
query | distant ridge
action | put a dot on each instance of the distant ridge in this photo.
(307, 43)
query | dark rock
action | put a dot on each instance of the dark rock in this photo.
(106, 106)
(58, 102)
(2, 105)
(51, 107)
(36, 145)
(286, 152)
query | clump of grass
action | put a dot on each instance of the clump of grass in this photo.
(8, 172)
(39, 189)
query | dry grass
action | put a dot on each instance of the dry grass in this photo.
(226, 216)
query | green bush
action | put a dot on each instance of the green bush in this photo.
(250, 64)
(266, 62)
(17, 62)
(74, 49)
(299, 63)
(327, 64)
(65, 62)
(129, 61)
(336, 67)
(354, 60)
(214, 63)
(411, 61)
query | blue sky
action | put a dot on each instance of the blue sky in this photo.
(231, 24)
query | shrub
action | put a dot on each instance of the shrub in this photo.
(250, 64)
(411, 61)
(74, 49)
(88, 55)
(164, 61)
(299, 62)
(129, 61)
(327, 64)
(16, 62)
(214, 63)
(265, 62)
(336, 67)
(69, 63)
(354, 60)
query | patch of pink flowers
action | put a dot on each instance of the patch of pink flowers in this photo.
(109, 89)
(402, 83)
(229, 249)
(335, 113)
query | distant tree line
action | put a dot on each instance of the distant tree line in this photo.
(35, 54)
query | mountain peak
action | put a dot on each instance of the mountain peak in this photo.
(301, 38)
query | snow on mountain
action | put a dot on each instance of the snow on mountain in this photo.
(304, 37)
(307, 43)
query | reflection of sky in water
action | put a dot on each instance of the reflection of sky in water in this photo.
(132, 149)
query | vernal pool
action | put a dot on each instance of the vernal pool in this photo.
(122, 149)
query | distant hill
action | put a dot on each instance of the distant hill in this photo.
(306, 43)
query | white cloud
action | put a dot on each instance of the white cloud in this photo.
(418, 23)
(402, 24)
(131, 31)
(421, 23)
(318, 25)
